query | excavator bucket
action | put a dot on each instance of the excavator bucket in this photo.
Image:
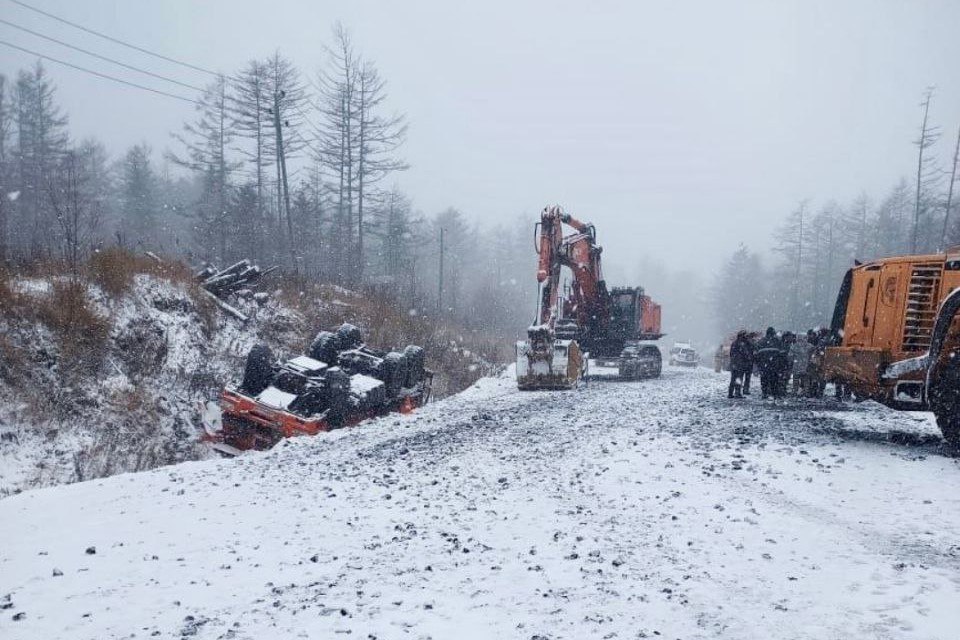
(544, 363)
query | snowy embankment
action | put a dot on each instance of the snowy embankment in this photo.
(621, 510)
(133, 404)
(110, 379)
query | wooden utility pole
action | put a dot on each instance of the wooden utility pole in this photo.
(440, 284)
(953, 178)
(282, 159)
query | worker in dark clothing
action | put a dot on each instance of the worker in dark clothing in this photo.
(741, 361)
(751, 346)
(785, 363)
(768, 357)
(814, 372)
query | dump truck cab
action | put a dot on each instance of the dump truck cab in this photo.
(894, 323)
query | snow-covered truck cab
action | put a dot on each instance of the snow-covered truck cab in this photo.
(896, 334)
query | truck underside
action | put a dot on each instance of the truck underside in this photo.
(340, 383)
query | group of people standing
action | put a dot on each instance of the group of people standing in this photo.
(778, 358)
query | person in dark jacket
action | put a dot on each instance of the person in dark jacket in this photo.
(785, 363)
(769, 356)
(751, 345)
(741, 361)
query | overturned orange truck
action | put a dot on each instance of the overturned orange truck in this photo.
(897, 335)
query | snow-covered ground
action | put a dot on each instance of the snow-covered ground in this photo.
(621, 510)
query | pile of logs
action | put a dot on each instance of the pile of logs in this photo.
(221, 283)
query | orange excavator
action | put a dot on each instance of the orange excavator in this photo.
(611, 326)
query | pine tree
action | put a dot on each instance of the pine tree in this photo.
(892, 222)
(41, 143)
(138, 196)
(739, 294)
(206, 142)
(791, 239)
(6, 132)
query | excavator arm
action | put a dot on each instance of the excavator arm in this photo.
(589, 300)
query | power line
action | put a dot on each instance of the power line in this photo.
(98, 74)
(112, 39)
(97, 55)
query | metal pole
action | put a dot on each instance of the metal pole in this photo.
(440, 284)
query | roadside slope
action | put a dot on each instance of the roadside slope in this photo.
(103, 372)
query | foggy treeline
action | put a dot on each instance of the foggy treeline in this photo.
(280, 165)
(815, 245)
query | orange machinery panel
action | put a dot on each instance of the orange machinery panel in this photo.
(649, 316)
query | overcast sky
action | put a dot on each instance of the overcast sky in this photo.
(680, 128)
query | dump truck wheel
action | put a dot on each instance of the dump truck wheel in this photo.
(325, 347)
(415, 365)
(946, 400)
(338, 398)
(950, 428)
(350, 336)
(258, 370)
(393, 372)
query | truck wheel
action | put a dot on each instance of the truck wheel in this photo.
(946, 400)
(259, 369)
(950, 428)
(350, 336)
(325, 347)
(393, 372)
(415, 365)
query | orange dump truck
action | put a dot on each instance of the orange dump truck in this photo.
(897, 335)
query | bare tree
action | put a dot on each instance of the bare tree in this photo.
(336, 88)
(288, 97)
(358, 145)
(253, 122)
(379, 137)
(790, 242)
(925, 171)
(949, 204)
(76, 216)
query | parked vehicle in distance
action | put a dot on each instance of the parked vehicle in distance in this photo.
(682, 354)
(640, 360)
